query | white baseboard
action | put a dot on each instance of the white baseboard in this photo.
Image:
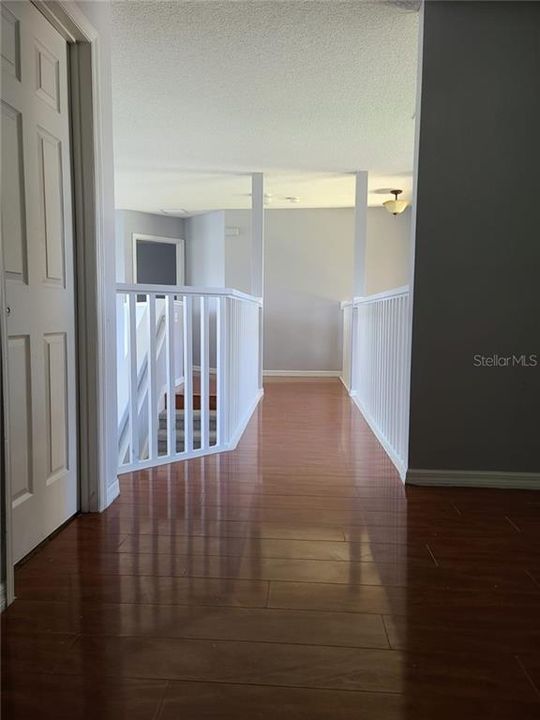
(302, 373)
(113, 491)
(388, 449)
(474, 478)
(247, 417)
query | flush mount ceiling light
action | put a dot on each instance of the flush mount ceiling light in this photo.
(174, 211)
(395, 206)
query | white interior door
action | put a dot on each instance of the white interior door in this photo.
(37, 238)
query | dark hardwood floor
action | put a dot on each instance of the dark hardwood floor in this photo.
(293, 578)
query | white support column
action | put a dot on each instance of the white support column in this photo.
(257, 253)
(257, 234)
(360, 233)
(359, 284)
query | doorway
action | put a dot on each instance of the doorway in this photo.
(158, 260)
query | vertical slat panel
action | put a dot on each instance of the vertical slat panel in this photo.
(387, 355)
(391, 397)
(232, 366)
(384, 358)
(171, 386)
(378, 318)
(205, 371)
(237, 387)
(364, 377)
(188, 373)
(354, 372)
(133, 381)
(379, 360)
(152, 386)
(403, 374)
(399, 363)
(380, 335)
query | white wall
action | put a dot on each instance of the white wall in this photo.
(388, 250)
(308, 271)
(205, 267)
(99, 15)
(128, 222)
(205, 249)
(238, 250)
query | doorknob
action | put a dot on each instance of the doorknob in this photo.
(8, 310)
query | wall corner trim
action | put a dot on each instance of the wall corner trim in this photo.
(398, 462)
(113, 491)
(233, 442)
(474, 479)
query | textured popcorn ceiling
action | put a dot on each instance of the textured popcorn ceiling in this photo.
(307, 92)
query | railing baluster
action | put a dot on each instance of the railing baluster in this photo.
(221, 325)
(188, 374)
(205, 370)
(133, 381)
(171, 379)
(152, 387)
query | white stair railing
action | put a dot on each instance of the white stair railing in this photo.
(175, 343)
(376, 362)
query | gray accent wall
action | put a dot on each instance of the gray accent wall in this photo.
(477, 266)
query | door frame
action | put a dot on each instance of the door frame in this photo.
(92, 322)
(180, 257)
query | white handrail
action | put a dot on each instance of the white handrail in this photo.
(188, 290)
(385, 295)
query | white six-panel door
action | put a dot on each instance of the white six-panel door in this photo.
(38, 258)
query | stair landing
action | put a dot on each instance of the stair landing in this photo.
(212, 399)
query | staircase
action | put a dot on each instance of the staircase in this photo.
(162, 430)
(179, 401)
(174, 357)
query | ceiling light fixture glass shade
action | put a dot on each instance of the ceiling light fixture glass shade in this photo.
(395, 206)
